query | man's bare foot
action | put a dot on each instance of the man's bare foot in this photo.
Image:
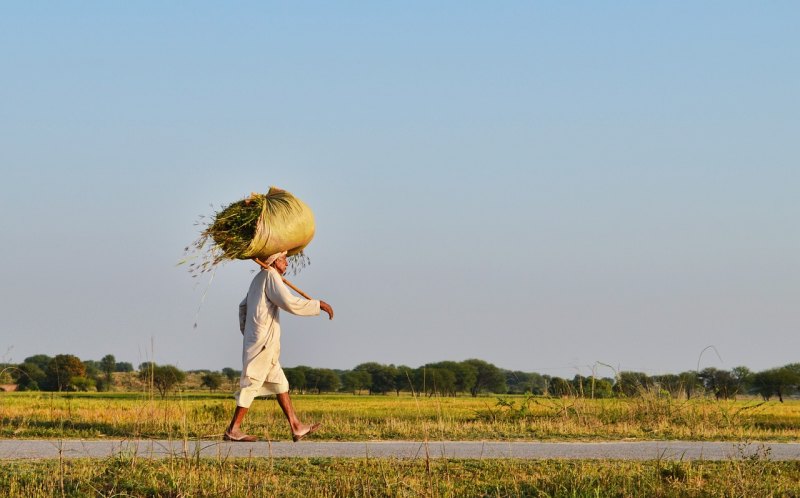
(304, 431)
(238, 436)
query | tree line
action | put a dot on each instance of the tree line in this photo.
(63, 372)
(446, 378)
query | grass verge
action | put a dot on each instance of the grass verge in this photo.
(125, 476)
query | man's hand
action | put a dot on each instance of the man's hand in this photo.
(326, 308)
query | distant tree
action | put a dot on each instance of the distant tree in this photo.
(232, 375)
(306, 378)
(100, 384)
(211, 380)
(516, 381)
(29, 376)
(537, 383)
(603, 388)
(577, 385)
(423, 379)
(743, 377)
(356, 380)
(466, 374)
(489, 377)
(329, 380)
(108, 365)
(146, 365)
(776, 382)
(522, 382)
(591, 387)
(40, 360)
(94, 373)
(312, 377)
(6, 370)
(164, 377)
(560, 387)
(794, 370)
(83, 384)
(123, 366)
(764, 383)
(322, 380)
(391, 373)
(382, 377)
(432, 380)
(721, 383)
(403, 378)
(296, 378)
(690, 382)
(669, 383)
(61, 370)
(92, 368)
(632, 383)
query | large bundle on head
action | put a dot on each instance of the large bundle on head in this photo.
(257, 227)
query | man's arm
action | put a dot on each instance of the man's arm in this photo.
(280, 296)
(243, 314)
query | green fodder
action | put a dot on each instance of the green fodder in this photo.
(234, 226)
(367, 477)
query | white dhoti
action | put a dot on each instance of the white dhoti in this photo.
(259, 322)
(250, 389)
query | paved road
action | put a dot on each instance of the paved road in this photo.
(639, 450)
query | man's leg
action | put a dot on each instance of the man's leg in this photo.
(236, 422)
(299, 429)
(234, 431)
(244, 397)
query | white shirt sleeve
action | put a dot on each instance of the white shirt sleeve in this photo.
(280, 296)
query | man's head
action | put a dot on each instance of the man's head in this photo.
(277, 261)
(281, 264)
(271, 260)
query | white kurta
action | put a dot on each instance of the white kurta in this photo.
(259, 321)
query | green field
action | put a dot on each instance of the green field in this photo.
(382, 477)
(358, 418)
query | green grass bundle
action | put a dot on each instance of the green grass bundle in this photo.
(256, 227)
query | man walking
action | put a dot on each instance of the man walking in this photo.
(259, 322)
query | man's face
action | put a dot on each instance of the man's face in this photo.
(281, 264)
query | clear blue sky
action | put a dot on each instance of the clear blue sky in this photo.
(542, 185)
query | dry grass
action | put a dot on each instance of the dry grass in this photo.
(354, 418)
